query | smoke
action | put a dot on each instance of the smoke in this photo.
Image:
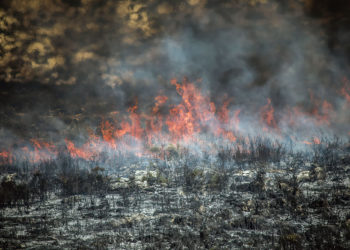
(67, 67)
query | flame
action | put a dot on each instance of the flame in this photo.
(320, 115)
(82, 152)
(317, 140)
(6, 157)
(155, 121)
(267, 116)
(307, 142)
(108, 131)
(43, 150)
(136, 129)
(4, 154)
(160, 100)
(194, 115)
(229, 123)
(223, 113)
(195, 110)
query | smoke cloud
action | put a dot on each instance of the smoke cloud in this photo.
(67, 66)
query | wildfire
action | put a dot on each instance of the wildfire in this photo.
(191, 114)
(322, 110)
(84, 152)
(315, 141)
(5, 157)
(166, 124)
(43, 150)
(267, 116)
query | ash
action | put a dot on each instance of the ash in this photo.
(266, 198)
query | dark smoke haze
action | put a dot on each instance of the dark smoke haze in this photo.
(66, 65)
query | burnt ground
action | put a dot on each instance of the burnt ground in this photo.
(268, 198)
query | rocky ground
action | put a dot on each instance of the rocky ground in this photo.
(289, 202)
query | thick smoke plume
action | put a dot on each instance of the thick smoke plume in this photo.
(71, 69)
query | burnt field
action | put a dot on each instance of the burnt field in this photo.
(188, 124)
(265, 196)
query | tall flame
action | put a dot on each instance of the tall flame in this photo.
(267, 116)
(186, 121)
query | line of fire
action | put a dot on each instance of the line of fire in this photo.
(195, 120)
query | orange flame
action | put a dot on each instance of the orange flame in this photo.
(322, 110)
(194, 111)
(43, 150)
(6, 157)
(85, 152)
(223, 113)
(317, 140)
(267, 116)
(155, 121)
(108, 130)
(195, 114)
